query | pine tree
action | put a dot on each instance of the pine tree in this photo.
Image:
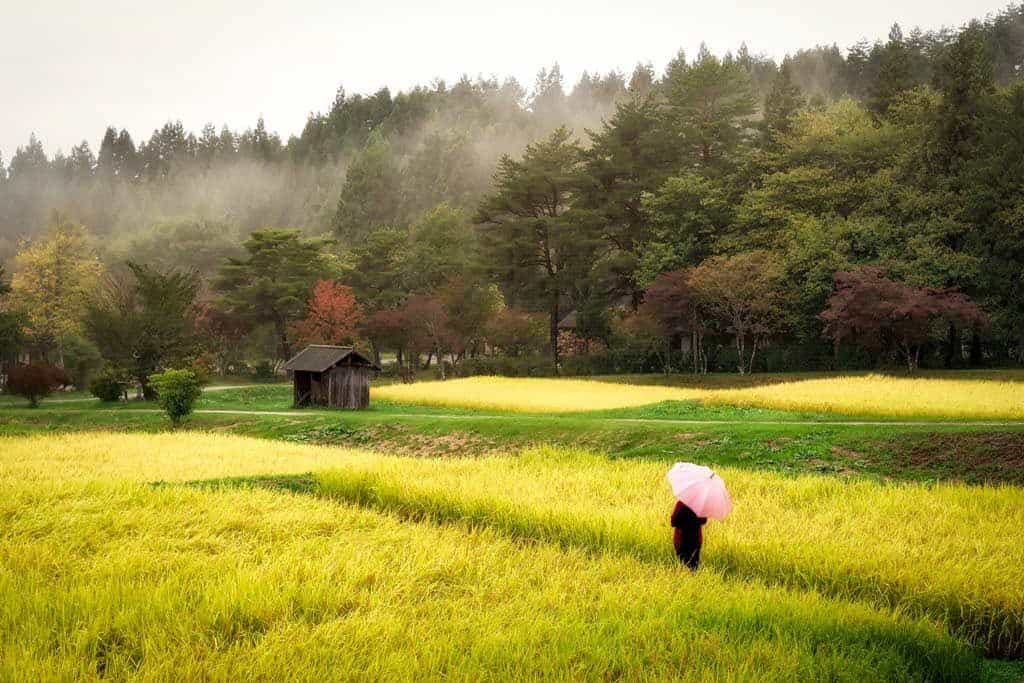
(627, 158)
(528, 227)
(710, 105)
(549, 101)
(81, 163)
(781, 104)
(371, 195)
(894, 75)
(641, 83)
(965, 78)
(271, 285)
(29, 161)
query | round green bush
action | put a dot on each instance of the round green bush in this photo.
(177, 391)
(108, 386)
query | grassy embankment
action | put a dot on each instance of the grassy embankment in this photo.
(760, 438)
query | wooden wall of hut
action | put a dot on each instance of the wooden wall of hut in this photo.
(343, 386)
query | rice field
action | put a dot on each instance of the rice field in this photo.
(950, 552)
(868, 396)
(126, 581)
(554, 564)
(531, 395)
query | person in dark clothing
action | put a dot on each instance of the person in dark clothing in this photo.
(687, 535)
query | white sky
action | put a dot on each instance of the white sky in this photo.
(70, 68)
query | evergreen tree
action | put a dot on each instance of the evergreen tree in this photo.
(105, 165)
(81, 163)
(549, 101)
(272, 283)
(710, 106)
(894, 74)
(641, 82)
(627, 158)
(29, 161)
(371, 195)
(780, 106)
(527, 226)
(964, 77)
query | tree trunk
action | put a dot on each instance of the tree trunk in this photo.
(740, 352)
(976, 355)
(952, 347)
(282, 335)
(553, 331)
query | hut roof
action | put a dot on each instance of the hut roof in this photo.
(320, 357)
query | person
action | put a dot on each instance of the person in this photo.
(687, 535)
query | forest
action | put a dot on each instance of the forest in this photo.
(845, 208)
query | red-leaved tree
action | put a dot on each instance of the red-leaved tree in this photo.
(429, 328)
(879, 314)
(516, 332)
(35, 381)
(332, 316)
(672, 301)
(388, 329)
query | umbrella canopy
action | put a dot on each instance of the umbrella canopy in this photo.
(700, 489)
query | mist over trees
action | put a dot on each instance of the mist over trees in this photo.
(695, 218)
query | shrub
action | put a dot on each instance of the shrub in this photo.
(110, 385)
(35, 381)
(264, 372)
(81, 360)
(177, 391)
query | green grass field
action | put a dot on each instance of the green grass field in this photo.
(470, 541)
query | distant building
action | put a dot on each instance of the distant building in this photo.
(332, 376)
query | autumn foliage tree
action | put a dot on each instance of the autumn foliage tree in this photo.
(332, 316)
(673, 302)
(387, 329)
(516, 332)
(429, 328)
(54, 275)
(879, 314)
(35, 381)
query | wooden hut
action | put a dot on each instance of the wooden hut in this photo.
(334, 376)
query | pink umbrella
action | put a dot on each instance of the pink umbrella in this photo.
(700, 489)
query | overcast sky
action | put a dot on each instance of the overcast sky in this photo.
(70, 68)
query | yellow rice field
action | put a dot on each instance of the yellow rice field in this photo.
(950, 553)
(104, 575)
(869, 396)
(531, 395)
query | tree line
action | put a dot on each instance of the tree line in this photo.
(731, 213)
